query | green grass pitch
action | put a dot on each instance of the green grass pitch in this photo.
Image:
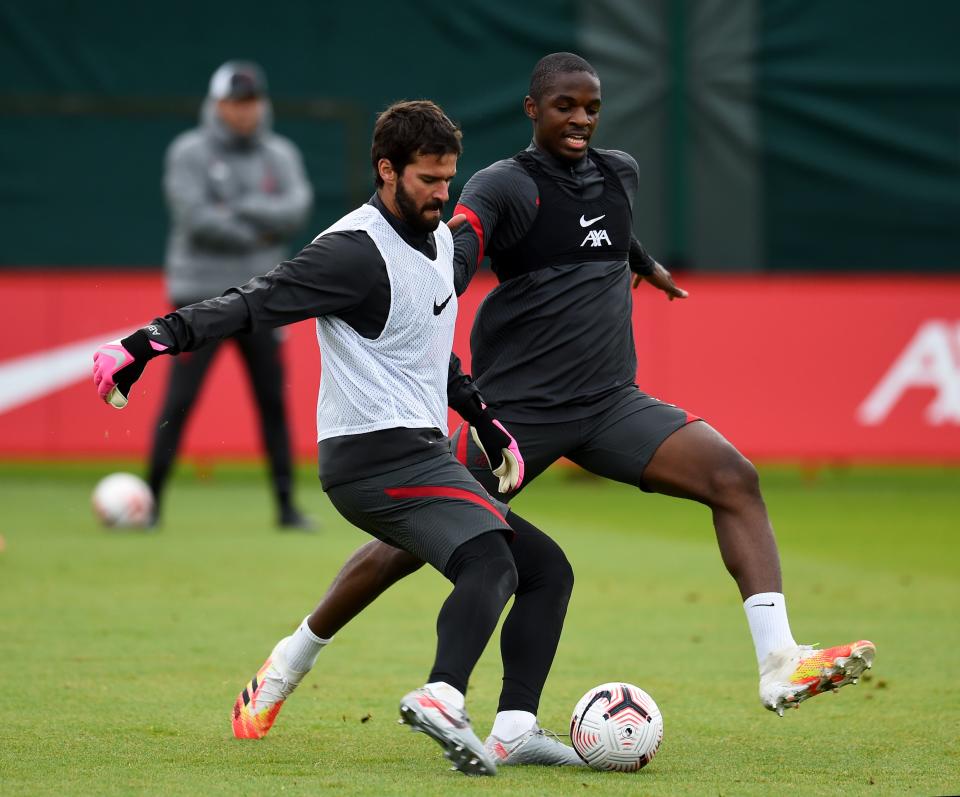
(123, 652)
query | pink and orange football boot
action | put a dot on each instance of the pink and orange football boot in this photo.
(258, 705)
(791, 675)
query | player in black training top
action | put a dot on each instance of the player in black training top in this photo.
(553, 355)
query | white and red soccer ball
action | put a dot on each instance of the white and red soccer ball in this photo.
(616, 726)
(123, 501)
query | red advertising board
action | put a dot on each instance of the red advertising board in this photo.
(809, 368)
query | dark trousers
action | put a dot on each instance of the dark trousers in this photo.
(262, 356)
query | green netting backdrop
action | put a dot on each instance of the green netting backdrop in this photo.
(783, 134)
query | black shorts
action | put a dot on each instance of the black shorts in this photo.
(617, 442)
(428, 509)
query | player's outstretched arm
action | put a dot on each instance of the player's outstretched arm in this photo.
(119, 363)
(329, 275)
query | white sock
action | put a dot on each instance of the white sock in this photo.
(510, 724)
(444, 691)
(303, 647)
(767, 616)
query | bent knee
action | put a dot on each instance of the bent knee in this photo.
(560, 572)
(552, 571)
(734, 480)
(501, 572)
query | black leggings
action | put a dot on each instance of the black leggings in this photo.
(262, 356)
(485, 571)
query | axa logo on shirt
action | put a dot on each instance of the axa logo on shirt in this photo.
(930, 360)
(594, 237)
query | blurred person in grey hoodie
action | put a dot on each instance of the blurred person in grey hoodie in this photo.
(237, 192)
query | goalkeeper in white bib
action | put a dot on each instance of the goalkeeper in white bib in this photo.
(380, 283)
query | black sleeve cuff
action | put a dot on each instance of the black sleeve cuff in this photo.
(471, 410)
(640, 262)
(463, 396)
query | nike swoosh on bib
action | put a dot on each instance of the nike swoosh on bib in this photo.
(587, 222)
(438, 308)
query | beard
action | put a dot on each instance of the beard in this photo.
(412, 215)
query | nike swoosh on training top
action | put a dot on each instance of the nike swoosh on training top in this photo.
(587, 222)
(438, 308)
(33, 376)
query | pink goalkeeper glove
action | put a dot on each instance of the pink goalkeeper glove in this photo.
(500, 449)
(119, 363)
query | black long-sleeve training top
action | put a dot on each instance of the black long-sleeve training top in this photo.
(551, 342)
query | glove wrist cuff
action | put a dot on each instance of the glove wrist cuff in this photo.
(474, 411)
(483, 416)
(138, 344)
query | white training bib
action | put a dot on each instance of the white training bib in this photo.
(400, 378)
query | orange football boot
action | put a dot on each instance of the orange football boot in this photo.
(258, 705)
(791, 675)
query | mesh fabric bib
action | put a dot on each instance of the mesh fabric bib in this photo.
(398, 379)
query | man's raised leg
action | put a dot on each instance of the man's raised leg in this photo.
(696, 462)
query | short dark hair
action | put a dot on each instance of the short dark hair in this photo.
(409, 128)
(550, 66)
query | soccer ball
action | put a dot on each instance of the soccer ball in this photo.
(616, 726)
(123, 501)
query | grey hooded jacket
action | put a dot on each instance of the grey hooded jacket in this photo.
(234, 201)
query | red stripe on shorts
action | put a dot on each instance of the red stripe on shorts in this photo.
(461, 452)
(474, 221)
(443, 492)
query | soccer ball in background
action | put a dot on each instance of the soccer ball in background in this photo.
(123, 501)
(616, 726)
